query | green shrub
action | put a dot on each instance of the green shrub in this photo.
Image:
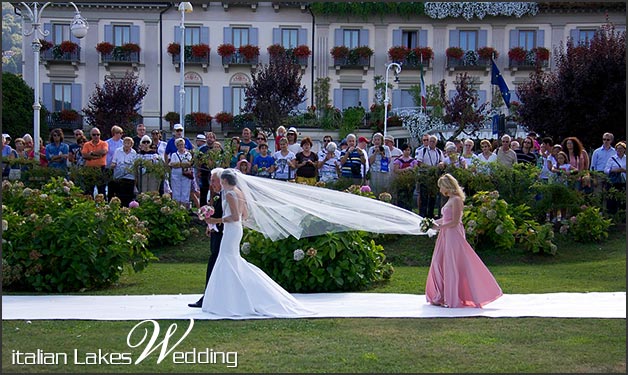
(168, 221)
(345, 261)
(488, 222)
(352, 118)
(590, 226)
(534, 237)
(59, 240)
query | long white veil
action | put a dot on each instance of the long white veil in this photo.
(281, 209)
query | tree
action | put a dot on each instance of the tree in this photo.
(462, 110)
(11, 40)
(115, 103)
(17, 111)
(274, 92)
(585, 96)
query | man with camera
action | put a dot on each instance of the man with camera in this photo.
(380, 161)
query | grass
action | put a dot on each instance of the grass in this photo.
(522, 345)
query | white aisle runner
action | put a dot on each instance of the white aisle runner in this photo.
(327, 305)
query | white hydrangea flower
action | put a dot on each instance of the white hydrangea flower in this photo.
(245, 248)
(298, 255)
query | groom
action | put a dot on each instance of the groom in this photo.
(216, 237)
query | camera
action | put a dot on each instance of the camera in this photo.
(381, 148)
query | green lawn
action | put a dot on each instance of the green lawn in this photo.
(521, 345)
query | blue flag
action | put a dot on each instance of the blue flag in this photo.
(498, 79)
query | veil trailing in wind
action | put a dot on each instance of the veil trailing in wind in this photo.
(281, 209)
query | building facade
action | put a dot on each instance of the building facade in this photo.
(138, 36)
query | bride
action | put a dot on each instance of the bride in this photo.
(236, 287)
(280, 209)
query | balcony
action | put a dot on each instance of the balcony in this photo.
(479, 63)
(122, 57)
(413, 64)
(239, 59)
(69, 121)
(55, 55)
(191, 60)
(352, 63)
(527, 64)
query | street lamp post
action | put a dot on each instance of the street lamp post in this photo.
(184, 7)
(78, 27)
(386, 100)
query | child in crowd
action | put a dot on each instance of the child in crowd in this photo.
(263, 163)
(281, 132)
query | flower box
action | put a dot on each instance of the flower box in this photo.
(542, 53)
(65, 51)
(223, 117)
(174, 49)
(276, 50)
(339, 52)
(68, 47)
(249, 51)
(398, 54)
(45, 45)
(104, 48)
(302, 51)
(487, 53)
(517, 54)
(127, 53)
(226, 50)
(454, 52)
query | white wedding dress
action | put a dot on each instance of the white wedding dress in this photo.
(238, 288)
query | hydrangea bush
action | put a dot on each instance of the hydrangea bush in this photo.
(168, 222)
(346, 261)
(57, 240)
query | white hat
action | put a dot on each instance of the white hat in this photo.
(293, 129)
(201, 137)
(146, 138)
(5, 136)
(178, 126)
(389, 138)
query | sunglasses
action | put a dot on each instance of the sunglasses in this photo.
(261, 139)
(145, 142)
(606, 139)
(96, 135)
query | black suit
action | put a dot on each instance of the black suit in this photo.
(216, 237)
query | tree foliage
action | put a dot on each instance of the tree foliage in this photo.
(11, 40)
(585, 95)
(462, 111)
(275, 91)
(117, 102)
(17, 111)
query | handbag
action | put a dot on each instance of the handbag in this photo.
(15, 174)
(616, 177)
(187, 172)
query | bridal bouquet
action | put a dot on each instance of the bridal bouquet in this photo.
(426, 227)
(205, 212)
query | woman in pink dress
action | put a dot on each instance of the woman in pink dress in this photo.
(457, 276)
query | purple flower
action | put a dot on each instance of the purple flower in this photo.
(365, 189)
(134, 204)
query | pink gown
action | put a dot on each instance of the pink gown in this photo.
(457, 276)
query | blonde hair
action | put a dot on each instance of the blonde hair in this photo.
(450, 184)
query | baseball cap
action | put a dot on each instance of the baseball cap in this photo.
(292, 130)
(557, 146)
(178, 126)
(363, 139)
(5, 136)
(201, 137)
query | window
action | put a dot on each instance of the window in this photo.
(351, 38)
(240, 37)
(527, 39)
(192, 99)
(60, 32)
(62, 94)
(192, 35)
(585, 36)
(121, 35)
(238, 102)
(410, 39)
(289, 38)
(350, 98)
(407, 100)
(469, 40)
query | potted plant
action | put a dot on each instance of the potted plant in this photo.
(45, 45)
(364, 52)
(398, 53)
(174, 49)
(424, 53)
(302, 51)
(276, 50)
(200, 118)
(200, 50)
(249, 51)
(172, 118)
(224, 117)
(68, 46)
(517, 54)
(130, 47)
(542, 53)
(454, 52)
(225, 50)
(104, 48)
(339, 52)
(68, 115)
(487, 52)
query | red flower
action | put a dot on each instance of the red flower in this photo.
(68, 47)
(276, 50)
(200, 50)
(487, 52)
(248, 51)
(174, 48)
(454, 52)
(226, 50)
(517, 54)
(398, 53)
(339, 52)
(302, 51)
(224, 117)
(104, 47)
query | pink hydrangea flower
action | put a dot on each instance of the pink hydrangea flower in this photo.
(365, 189)
(134, 204)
